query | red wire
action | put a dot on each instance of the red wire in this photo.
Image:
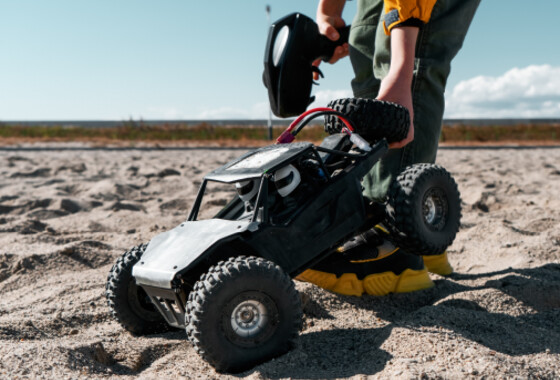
(346, 123)
(319, 109)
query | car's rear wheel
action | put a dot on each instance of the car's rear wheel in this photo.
(423, 209)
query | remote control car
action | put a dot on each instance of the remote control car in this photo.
(227, 280)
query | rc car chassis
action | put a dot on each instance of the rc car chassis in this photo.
(227, 280)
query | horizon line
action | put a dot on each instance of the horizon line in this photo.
(101, 123)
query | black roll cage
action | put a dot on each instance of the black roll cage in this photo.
(261, 206)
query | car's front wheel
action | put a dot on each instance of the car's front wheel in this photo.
(128, 302)
(242, 312)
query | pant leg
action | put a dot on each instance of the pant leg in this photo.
(362, 47)
(438, 43)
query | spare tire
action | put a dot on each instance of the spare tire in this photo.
(423, 209)
(372, 119)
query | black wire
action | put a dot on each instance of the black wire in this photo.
(314, 115)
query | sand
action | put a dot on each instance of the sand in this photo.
(66, 214)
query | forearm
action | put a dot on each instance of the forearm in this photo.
(330, 7)
(396, 87)
(403, 50)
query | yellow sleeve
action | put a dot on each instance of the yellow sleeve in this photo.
(407, 12)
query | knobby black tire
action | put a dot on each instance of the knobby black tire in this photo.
(210, 309)
(373, 119)
(127, 301)
(423, 209)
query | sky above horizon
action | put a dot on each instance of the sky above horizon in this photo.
(173, 59)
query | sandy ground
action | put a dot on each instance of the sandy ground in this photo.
(66, 215)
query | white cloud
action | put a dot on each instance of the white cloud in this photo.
(163, 113)
(322, 98)
(225, 112)
(256, 111)
(260, 110)
(529, 92)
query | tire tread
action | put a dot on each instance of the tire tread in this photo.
(214, 281)
(116, 292)
(373, 119)
(403, 221)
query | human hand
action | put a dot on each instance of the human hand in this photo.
(329, 19)
(398, 91)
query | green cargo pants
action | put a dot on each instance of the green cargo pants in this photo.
(438, 42)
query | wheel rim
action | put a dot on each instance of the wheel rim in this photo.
(249, 318)
(435, 209)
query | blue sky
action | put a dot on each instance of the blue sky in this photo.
(181, 59)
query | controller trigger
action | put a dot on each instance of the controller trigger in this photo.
(315, 69)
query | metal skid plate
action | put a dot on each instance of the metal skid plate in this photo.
(169, 303)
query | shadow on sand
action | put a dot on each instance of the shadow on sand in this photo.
(348, 352)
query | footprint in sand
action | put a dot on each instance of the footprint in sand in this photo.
(538, 226)
(175, 204)
(74, 168)
(41, 172)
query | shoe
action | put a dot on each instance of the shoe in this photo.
(369, 263)
(438, 264)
